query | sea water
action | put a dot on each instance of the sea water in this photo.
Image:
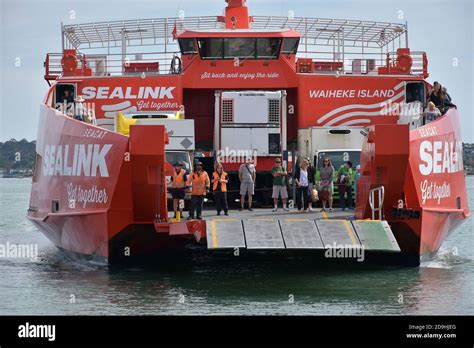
(50, 283)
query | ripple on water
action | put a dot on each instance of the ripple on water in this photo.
(446, 258)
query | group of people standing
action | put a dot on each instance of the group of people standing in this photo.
(247, 177)
(438, 102)
(308, 188)
(307, 184)
(199, 183)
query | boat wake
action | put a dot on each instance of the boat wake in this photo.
(57, 259)
(446, 258)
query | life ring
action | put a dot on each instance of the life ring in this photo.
(69, 62)
(404, 62)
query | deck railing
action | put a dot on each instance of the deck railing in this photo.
(335, 46)
(152, 63)
(159, 63)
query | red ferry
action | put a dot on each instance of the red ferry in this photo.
(264, 86)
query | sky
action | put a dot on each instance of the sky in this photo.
(29, 29)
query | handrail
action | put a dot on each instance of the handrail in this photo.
(112, 64)
(381, 194)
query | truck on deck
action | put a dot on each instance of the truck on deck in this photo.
(250, 124)
(180, 131)
(340, 144)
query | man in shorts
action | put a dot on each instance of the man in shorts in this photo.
(247, 176)
(279, 185)
(178, 183)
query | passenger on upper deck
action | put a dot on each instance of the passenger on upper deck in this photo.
(79, 110)
(432, 112)
(440, 98)
(67, 96)
(445, 91)
(66, 102)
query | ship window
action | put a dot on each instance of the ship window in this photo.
(177, 156)
(227, 111)
(187, 46)
(338, 158)
(268, 47)
(54, 206)
(415, 91)
(290, 45)
(273, 111)
(210, 48)
(274, 144)
(64, 96)
(244, 48)
(239, 48)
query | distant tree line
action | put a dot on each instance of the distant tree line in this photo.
(21, 155)
(468, 157)
(17, 154)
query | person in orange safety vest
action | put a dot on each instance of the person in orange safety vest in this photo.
(199, 182)
(178, 182)
(219, 187)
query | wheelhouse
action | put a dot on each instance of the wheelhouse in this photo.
(239, 44)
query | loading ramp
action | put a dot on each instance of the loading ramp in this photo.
(299, 233)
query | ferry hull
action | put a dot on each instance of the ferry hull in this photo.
(101, 195)
(438, 185)
(422, 174)
(98, 194)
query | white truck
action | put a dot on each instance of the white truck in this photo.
(314, 139)
(250, 124)
(251, 121)
(181, 136)
(340, 144)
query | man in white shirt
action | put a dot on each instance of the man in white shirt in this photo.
(247, 176)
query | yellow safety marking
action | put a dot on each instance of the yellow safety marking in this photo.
(325, 216)
(349, 232)
(214, 235)
(221, 220)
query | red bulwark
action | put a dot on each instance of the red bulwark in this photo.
(147, 157)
